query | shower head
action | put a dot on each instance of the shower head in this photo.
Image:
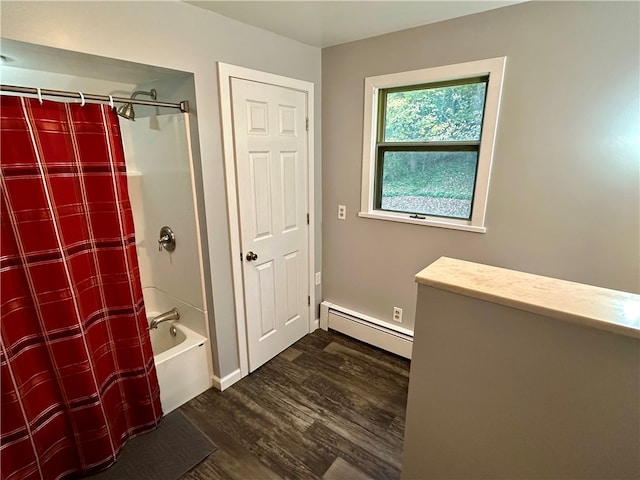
(126, 110)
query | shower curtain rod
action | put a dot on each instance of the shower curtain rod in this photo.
(183, 105)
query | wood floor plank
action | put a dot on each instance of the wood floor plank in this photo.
(326, 397)
(350, 405)
(347, 418)
(283, 367)
(341, 470)
(290, 353)
(326, 406)
(365, 457)
(370, 350)
(398, 370)
(232, 461)
(396, 428)
(385, 392)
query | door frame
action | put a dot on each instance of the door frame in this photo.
(225, 73)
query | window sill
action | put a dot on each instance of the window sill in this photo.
(427, 222)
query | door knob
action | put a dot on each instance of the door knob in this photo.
(251, 256)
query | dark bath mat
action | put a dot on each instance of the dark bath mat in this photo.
(166, 453)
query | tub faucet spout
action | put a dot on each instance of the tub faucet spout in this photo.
(172, 314)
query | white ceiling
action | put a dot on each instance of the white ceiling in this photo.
(327, 23)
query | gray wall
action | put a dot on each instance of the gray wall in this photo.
(564, 198)
(500, 393)
(181, 37)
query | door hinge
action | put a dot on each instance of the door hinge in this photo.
(306, 124)
(308, 301)
(307, 219)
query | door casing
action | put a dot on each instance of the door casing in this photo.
(225, 73)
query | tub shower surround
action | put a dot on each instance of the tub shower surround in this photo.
(162, 186)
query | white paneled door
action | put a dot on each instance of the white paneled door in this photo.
(270, 137)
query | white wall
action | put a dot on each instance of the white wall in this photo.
(58, 81)
(181, 37)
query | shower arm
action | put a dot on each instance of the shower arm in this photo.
(152, 93)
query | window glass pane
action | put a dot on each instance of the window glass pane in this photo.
(450, 113)
(429, 183)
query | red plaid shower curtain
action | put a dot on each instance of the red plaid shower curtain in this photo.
(76, 368)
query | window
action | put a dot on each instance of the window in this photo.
(429, 142)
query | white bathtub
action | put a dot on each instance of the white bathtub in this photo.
(181, 363)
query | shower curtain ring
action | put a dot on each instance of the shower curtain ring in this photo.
(39, 95)
(111, 102)
(82, 101)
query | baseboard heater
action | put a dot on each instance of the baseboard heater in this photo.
(367, 329)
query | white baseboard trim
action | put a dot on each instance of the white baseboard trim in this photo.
(227, 380)
(392, 338)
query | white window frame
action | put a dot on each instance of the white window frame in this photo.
(494, 68)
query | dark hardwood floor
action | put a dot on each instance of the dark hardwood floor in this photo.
(329, 407)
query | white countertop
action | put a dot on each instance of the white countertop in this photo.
(610, 310)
